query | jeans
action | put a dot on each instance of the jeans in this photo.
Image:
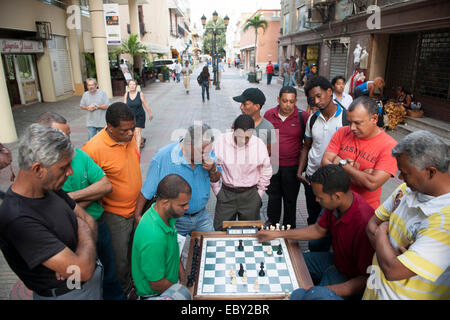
(177, 76)
(322, 269)
(205, 86)
(315, 293)
(175, 292)
(284, 186)
(92, 131)
(269, 78)
(292, 80)
(285, 79)
(112, 290)
(202, 221)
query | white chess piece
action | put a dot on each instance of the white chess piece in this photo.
(278, 227)
(244, 277)
(232, 273)
(256, 285)
(272, 228)
(233, 280)
(282, 227)
(269, 251)
(288, 227)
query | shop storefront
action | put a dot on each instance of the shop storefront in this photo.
(19, 62)
(338, 59)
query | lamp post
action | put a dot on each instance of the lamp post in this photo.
(215, 30)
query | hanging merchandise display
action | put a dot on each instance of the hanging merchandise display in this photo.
(364, 59)
(357, 54)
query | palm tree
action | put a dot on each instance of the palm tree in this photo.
(133, 47)
(256, 22)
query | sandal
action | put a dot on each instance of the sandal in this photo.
(143, 142)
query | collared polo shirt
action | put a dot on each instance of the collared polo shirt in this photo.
(425, 221)
(155, 253)
(346, 100)
(351, 247)
(321, 134)
(289, 135)
(170, 160)
(85, 173)
(120, 162)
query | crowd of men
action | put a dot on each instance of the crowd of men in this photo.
(82, 224)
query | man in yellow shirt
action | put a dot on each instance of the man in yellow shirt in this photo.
(117, 153)
(410, 230)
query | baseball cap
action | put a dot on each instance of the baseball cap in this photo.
(251, 94)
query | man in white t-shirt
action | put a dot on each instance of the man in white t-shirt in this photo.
(318, 132)
(177, 70)
(339, 95)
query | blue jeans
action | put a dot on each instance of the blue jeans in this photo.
(285, 79)
(175, 292)
(112, 290)
(177, 76)
(322, 269)
(202, 221)
(315, 293)
(205, 87)
(93, 131)
(292, 80)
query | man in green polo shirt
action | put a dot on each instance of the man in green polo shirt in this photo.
(155, 260)
(87, 185)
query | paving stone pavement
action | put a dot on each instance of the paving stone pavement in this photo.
(173, 111)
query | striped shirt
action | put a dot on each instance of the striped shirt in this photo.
(170, 160)
(425, 220)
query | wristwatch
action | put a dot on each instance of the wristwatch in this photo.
(342, 163)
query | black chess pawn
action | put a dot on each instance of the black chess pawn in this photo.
(261, 272)
(280, 251)
(241, 270)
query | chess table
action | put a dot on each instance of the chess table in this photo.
(217, 252)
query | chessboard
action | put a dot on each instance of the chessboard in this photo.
(222, 266)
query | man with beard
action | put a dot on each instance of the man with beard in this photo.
(156, 264)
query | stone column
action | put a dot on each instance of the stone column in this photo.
(100, 46)
(8, 132)
(75, 59)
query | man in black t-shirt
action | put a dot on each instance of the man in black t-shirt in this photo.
(46, 238)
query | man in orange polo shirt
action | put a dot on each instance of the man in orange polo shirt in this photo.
(116, 152)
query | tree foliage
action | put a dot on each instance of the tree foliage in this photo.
(255, 23)
(220, 37)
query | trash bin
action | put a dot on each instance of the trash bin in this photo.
(258, 75)
(252, 77)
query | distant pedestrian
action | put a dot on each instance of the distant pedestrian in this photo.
(136, 101)
(286, 72)
(269, 72)
(96, 102)
(293, 71)
(177, 69)
(186, 71)
(44, 233)
(206, 83)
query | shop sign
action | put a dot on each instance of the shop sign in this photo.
(20, 46)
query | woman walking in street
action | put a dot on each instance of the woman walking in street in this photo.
(206, 82)
(186, 71)
(136, 101)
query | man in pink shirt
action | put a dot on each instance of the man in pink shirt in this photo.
(246, 173)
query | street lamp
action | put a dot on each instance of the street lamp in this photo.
(215, 30)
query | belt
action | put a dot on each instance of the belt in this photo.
(193, 214)
(237, 189)
(56, 291)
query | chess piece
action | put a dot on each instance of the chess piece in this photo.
(261, 272)
(232, 273)
(286, 295)
(282, 227)
(244, 277)
(241, 270)
(256, 285)
(233, 281)
(269, 251)
(240, 247)
(280, 251)
(272, 228)
(277, 227)
(288, 227)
